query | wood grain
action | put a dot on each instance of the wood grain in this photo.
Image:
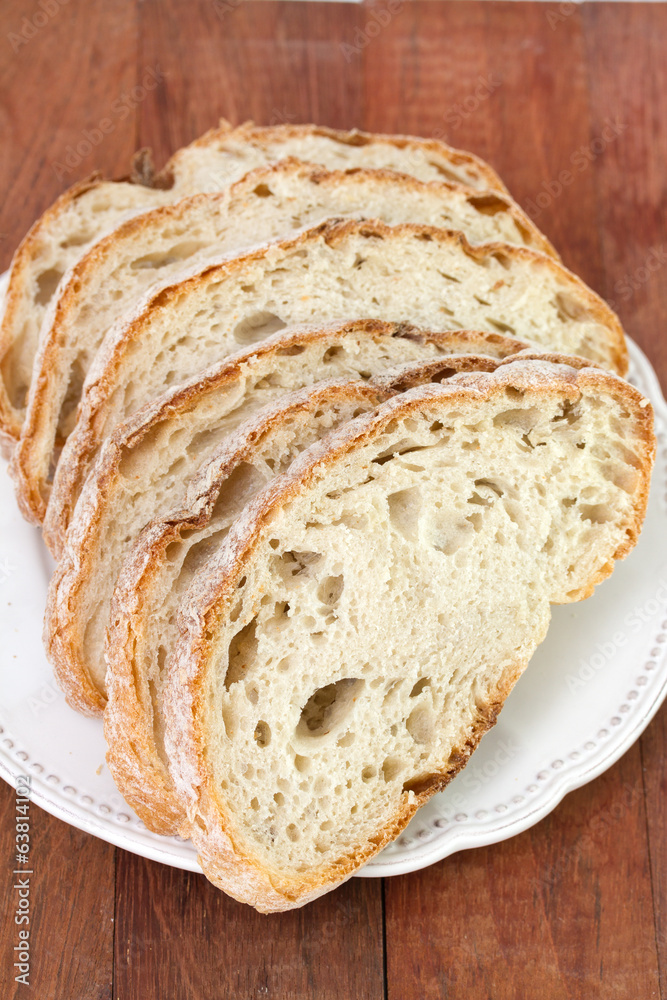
(552, 913)
(71, 909)
(56, 85)
(577, 906)
(176, 935)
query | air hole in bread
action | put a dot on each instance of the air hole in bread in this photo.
(302, 764)
(487, 204)
(176, 253)
(568, 308)
(328, 708)
(391, 768)
(596, 513)
(334, 352)
(404, 512)
(330, 590)
(77, 377)
(501, 327)
(392, 692)
(47, 282)
(242, 654)
(263, 191)
(291, 352)
(502, 259)
(522, 418)
(369, 773)
(449, 277)
(569, 411)
(257, 327)
(421, 724)
(455, 537)
(346, 740)
(621, 476)
(291, 565)
(262, 734)
(421, 684)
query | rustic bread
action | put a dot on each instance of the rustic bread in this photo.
(223, 155)
(157, 246)
(173, 548)
(362, 625)
(144, 467)
(142, 623)
(420, 274)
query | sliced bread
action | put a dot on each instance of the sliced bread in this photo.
(172, 550)
(359, 630)
(158, 246)
(144, 467)
(223, 155)
(419, 274)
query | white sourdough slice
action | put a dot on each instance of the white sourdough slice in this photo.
(158, 246)
(145, 466)
(142, 624)
(221, 156)
(418, 274)
(360, 629)
(172, 549)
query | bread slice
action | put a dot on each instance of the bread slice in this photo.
(420, 274)
(145, 466)
(168, 553)
(361, 627)
(173, 549)
(223, 155)
(270, 202)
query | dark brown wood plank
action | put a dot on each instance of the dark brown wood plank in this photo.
(178, 936)
(628, 76)
(58, 81)
(71, 894)
(276, 63)
(496, 78)
(562, 911)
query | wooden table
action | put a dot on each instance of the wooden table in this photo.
(532, 87)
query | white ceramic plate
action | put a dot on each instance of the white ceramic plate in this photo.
(590, 690)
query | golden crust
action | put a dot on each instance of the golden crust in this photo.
(224, 863)
(10, 421)
(250, 133)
